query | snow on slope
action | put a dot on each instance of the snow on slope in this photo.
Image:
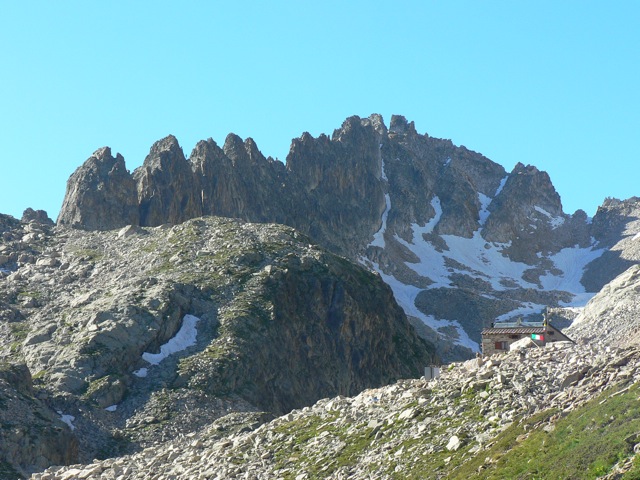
(503, 182)
(406, 294)
(485, 201)
(406, 297)
(484, 260)
(378, 238)
(477, 258)
(484, 207)
(184, 338)
(554, 221)
(572, 262)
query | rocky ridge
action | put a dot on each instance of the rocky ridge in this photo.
(454, 426)
(445, 226)
(89, 315)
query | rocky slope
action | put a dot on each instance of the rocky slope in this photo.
(133, 336)
(479, 419)
(613, 315)
(616, 225)
(32, 435)
(163, 343)
(462, 242)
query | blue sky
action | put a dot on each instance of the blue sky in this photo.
(547, 83)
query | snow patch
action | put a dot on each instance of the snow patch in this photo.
(635, 237)
(555, 222)
(447, 162)
(481, 259)
(141, 372)
(485, 201)
(186, 337)
(383, 174)
(501, 186)
(68, 419)
(406, 297)
(111, 408)
(571, 262)
(378, 237)
(477, 258)
(524, 310)
(430, 225)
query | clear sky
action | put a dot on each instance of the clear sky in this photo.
(548, 83)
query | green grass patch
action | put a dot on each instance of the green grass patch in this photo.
(583, 445)
(19, 330)
(634, 473)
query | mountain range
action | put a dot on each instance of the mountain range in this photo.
(461, 242)
(228, 315)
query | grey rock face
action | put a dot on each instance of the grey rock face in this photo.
(282, 323)
(420, 168)
(615, 226)
(167, 192)
(32, 436)
(238, 181)
(341, 177)
(424, 213)
(39, 216)
(100, 194)
(521, 214)
(612, 317)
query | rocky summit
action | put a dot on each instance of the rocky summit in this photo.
(225, 315)
(461, 242)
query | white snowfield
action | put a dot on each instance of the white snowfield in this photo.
(477, 258)
(68, 419)
(183, 339)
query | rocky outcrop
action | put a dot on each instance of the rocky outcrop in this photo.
(342, 178)
(422, 212)
(528, 213)
(615, 226)
(31, 434)
(422, 168)
(38, 216)
(280, 323)
(613, 315)
(307, 313)
(165, 184)
(100, 194)
(238, 181)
